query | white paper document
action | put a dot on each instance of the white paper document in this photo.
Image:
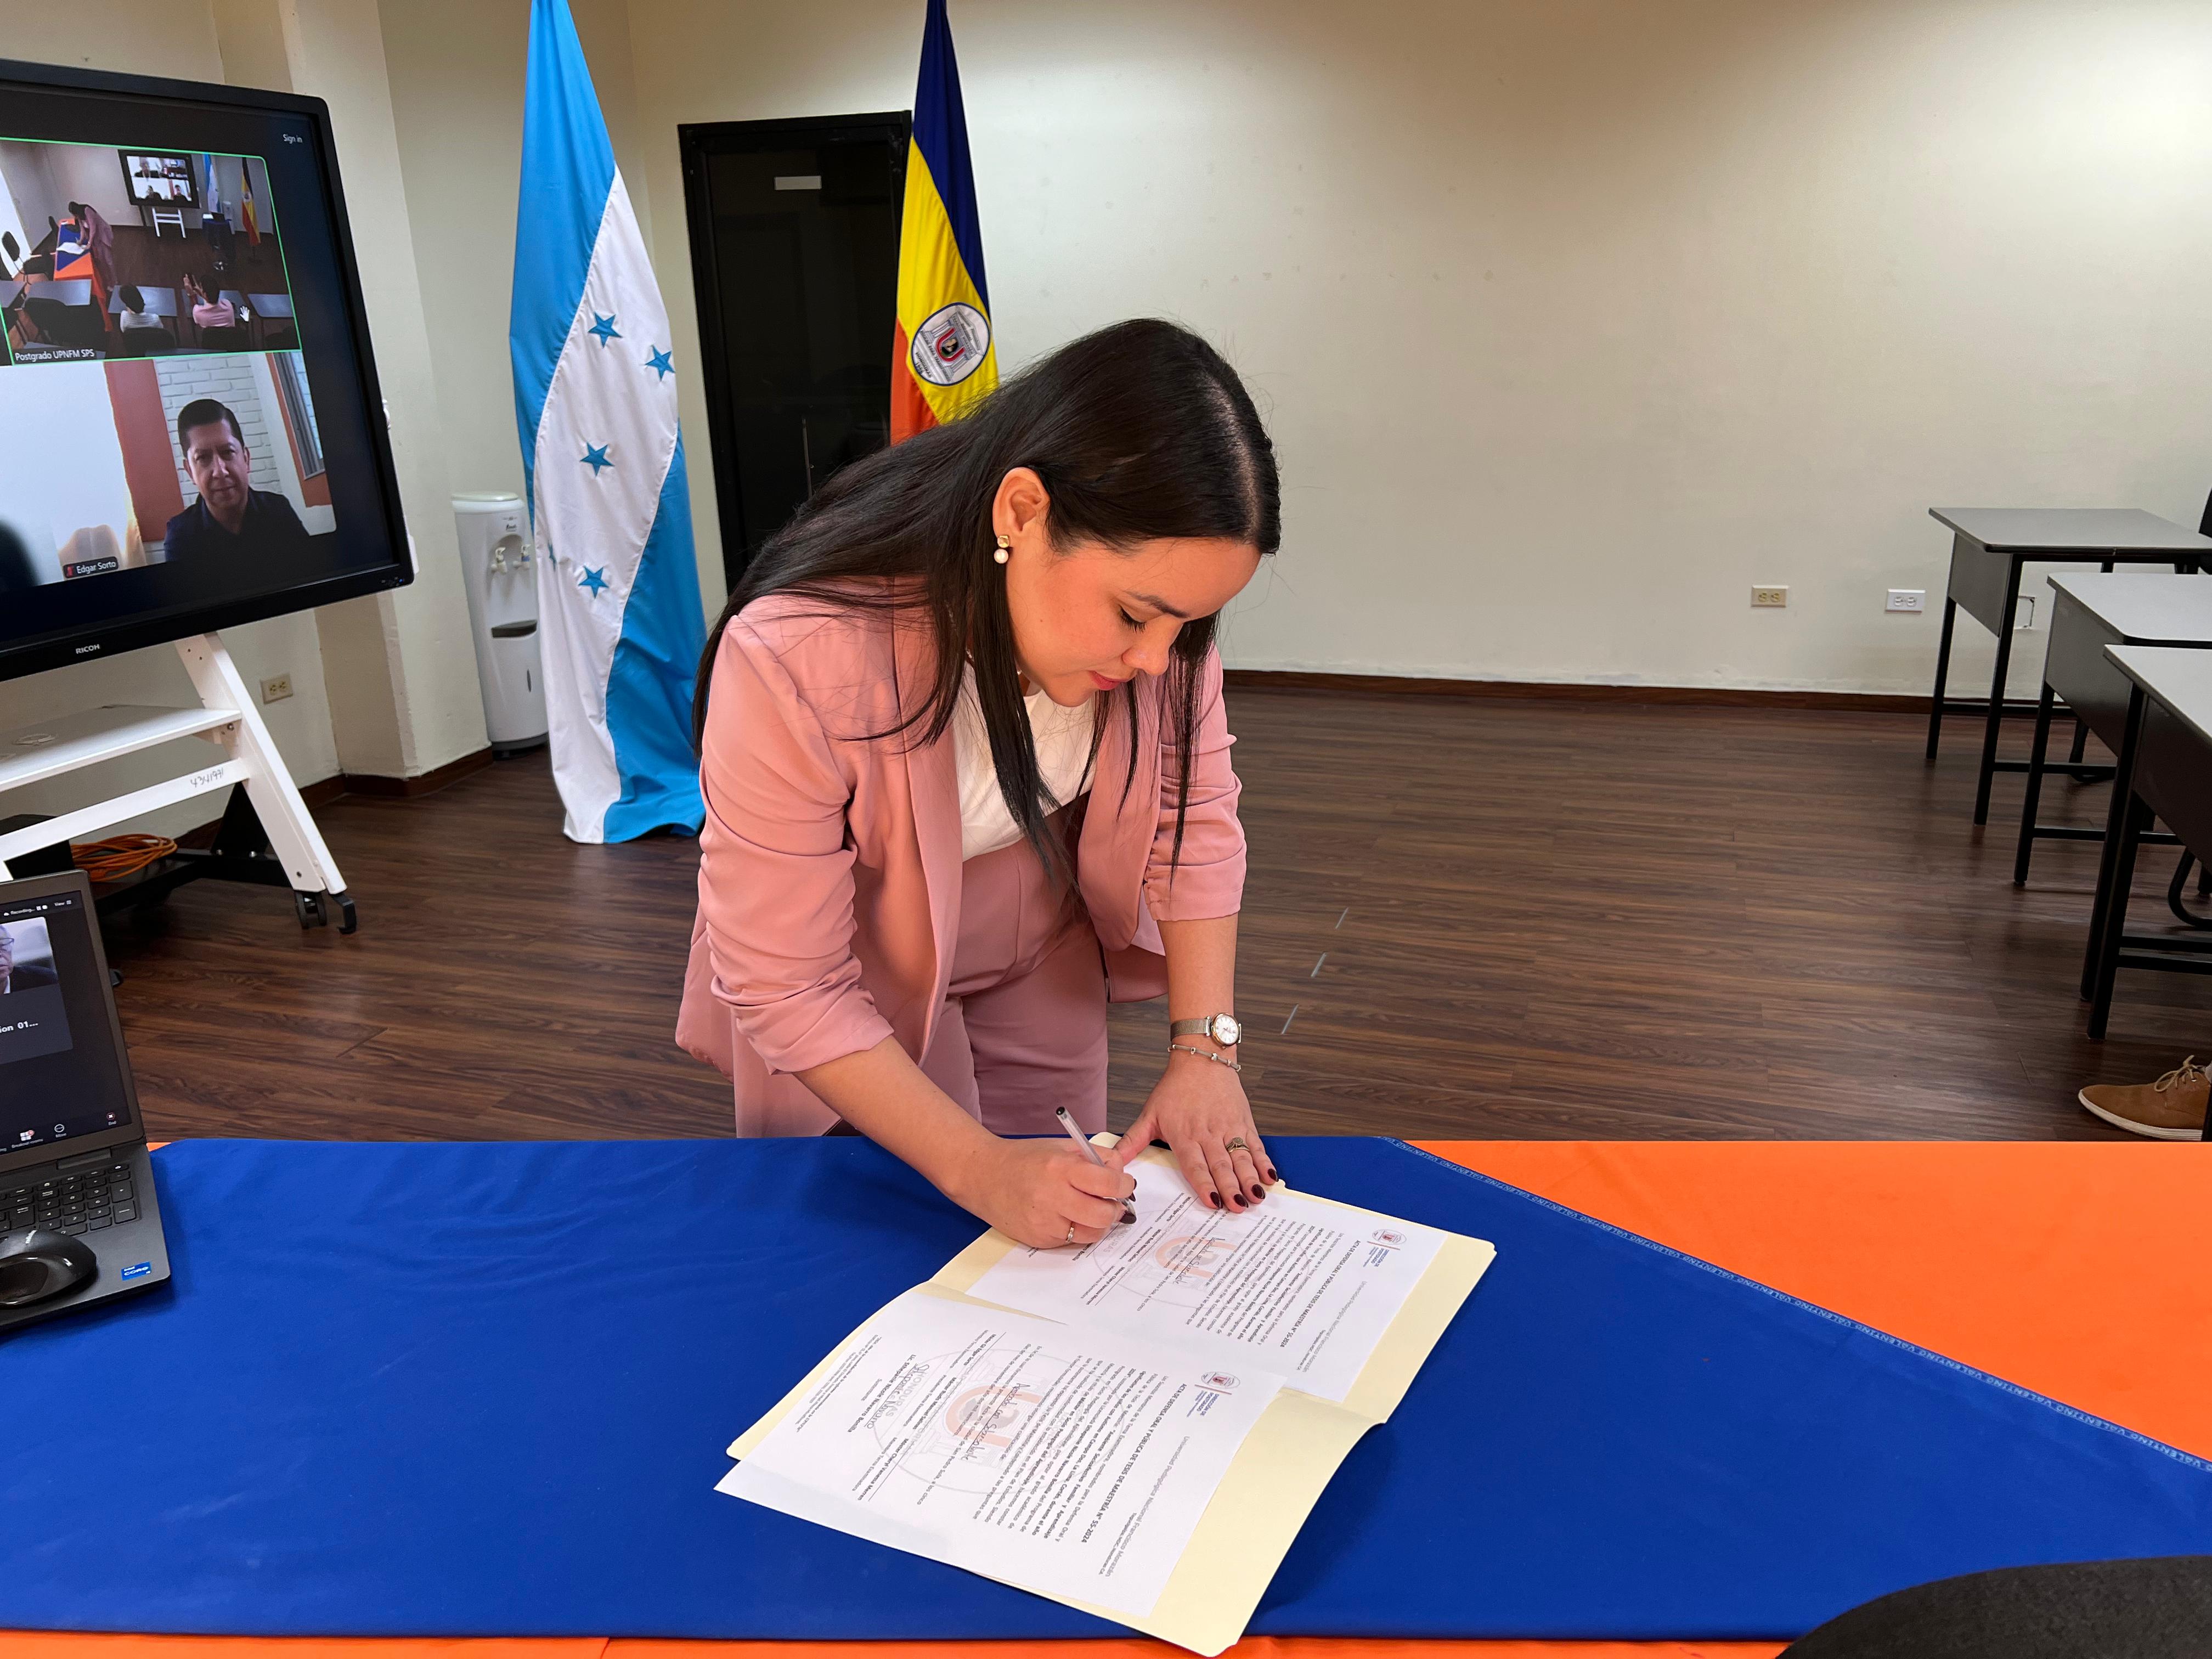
(1061, 1461)
(1293, 1286)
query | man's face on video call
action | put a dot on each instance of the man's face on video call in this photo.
(7, 955)
(220, 465)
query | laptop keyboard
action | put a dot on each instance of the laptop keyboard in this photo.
(81, 1202)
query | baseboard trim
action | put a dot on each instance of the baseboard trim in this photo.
(1864, 702)
(321, 792)
(388, 789)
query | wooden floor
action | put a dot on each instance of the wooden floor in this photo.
(1464, 917)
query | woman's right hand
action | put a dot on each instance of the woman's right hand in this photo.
(1035, 1190)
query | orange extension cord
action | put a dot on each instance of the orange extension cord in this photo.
(119, 855)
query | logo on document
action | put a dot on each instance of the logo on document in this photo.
(1389, 1238)
(989, 1415)
(1193, 1255)
(1223, 1379)
(950, 345)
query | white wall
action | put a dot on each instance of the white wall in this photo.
(45, 179)
(1575, 319)
(54, 486)
(158, 37)
(457, 80)
(89, 174)
(335, 52)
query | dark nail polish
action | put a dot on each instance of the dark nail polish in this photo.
(1128, 1218)
(1272, 1178)
(1238, 1199)
(1258, 1193)
(1214, 1198)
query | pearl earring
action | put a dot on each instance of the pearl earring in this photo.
(1005, 544)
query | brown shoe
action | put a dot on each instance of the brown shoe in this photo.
(2172, 1109)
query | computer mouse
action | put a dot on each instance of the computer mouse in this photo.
(38, 1262)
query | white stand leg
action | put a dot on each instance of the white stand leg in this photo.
(268, 782)
(227, 718)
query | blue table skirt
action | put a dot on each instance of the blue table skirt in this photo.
(474, 1390)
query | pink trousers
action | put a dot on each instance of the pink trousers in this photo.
(1023, 1025)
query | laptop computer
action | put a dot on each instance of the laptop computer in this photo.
(73, 1160)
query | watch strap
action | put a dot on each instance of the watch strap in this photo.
(1201, 1027)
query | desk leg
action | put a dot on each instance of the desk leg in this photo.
(1995, 723)
(2124, 795)
(1942, 676)
(2080, 742)
(2082, 726)
(2115, 917)
(2034, 798)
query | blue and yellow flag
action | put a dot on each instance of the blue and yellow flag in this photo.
(942, 360)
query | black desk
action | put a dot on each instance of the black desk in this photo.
(2089, 612)
(62, 290)
(160, 301)
(269, 308)
(2164, 771)
(1988, 546)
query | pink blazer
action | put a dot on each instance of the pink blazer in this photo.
(830, 863)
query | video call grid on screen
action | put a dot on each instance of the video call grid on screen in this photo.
(127, 327)
(169, 250)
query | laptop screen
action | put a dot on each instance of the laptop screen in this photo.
(60, 1075)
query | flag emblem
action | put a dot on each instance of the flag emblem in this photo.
(951, 345)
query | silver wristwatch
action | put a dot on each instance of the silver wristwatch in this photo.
(1224, 1029)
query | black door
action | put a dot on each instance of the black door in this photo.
(794, 252)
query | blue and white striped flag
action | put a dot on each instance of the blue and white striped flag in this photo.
(595, 401)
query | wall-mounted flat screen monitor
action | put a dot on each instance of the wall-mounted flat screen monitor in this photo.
(190, 434)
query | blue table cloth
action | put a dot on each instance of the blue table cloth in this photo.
(453, 1390)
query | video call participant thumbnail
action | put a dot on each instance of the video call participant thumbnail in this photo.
(22, 975)
(231, 515)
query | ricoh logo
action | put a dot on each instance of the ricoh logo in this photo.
(85, 650)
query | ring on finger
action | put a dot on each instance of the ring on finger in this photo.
(1251, 1162)
(1236, 1145)
(1071, 1233)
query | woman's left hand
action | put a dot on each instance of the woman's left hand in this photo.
(1198, 1106)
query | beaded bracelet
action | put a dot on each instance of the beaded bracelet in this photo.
(1205, 1053)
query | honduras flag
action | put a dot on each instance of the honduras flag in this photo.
(603, 461)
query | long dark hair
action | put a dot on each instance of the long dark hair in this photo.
(1140, 431)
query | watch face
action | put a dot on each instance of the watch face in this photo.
(1226, 1031)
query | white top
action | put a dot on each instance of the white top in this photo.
(1063, 751)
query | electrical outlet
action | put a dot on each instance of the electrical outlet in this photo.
(1763, 598)
(277, 688)
(1914, 599)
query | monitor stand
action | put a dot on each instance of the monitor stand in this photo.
(268, 837)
